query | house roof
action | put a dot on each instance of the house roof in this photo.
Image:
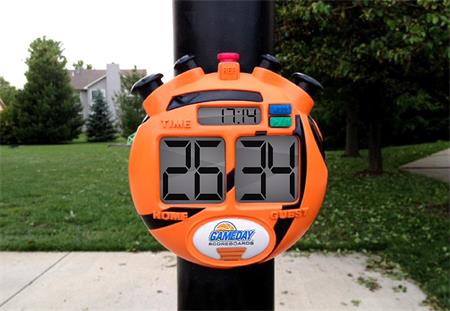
(80, 79)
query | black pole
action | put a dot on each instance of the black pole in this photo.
(203, 29)
(244, 288)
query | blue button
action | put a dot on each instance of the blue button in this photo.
(280, 109)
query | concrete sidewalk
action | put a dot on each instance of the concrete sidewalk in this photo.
(147, 281)
(435, 166)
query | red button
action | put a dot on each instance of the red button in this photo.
(228, 57)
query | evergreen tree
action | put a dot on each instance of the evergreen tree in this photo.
(99, 124)
(46, 110)
(131, 111)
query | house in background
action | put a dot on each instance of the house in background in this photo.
(90, 81)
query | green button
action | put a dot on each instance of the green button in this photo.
(280, 121)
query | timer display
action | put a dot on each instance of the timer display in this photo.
(192, 169)
(266, 169)
(229, 115)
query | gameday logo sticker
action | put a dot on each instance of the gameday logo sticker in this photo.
(226, 236)
(225, 233)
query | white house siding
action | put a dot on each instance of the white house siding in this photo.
(84, 104)
(112, 87)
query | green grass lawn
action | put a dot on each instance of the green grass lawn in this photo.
(76, 197)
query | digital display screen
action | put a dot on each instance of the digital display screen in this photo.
(192, 169)
(266, 169)
(229, 115)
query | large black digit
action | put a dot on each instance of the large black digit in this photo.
(284, 169)
(250, 115)
(234, 114)
(256, 170)
(172, 170)
(200, 170)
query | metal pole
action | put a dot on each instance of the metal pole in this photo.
(203, 29)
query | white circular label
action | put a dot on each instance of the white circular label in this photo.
(231, 239)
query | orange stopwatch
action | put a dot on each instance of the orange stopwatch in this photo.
(228, 168)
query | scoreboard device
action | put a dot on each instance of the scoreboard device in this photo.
(227, 169)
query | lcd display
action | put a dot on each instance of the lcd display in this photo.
(192, 169)
(266, 169)
(229, 115)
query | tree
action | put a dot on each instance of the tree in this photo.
(8, 93)
(99, 124)
(132, 112)
(79, 65)
(7, 134)
(375, 51)
(46, 110)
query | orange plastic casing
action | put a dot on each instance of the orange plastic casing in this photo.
(284, 223)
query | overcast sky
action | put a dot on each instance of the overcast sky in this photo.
(131, 32)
